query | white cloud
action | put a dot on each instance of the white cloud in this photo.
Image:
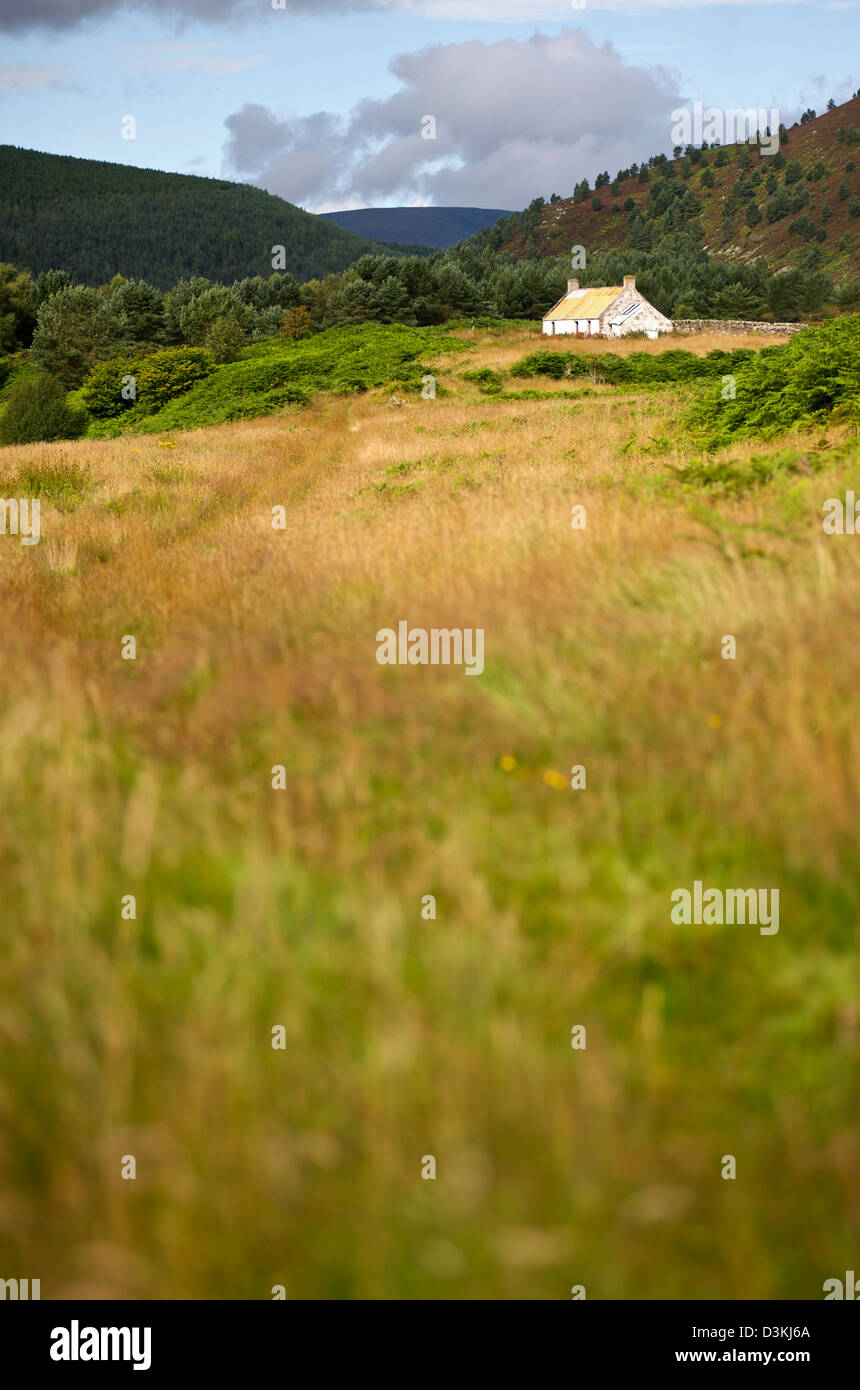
(514, 119)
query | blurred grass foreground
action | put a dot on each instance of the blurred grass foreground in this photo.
(282, 1000)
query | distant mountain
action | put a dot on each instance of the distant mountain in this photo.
(435, 227)
(797, 208)
(97, 220)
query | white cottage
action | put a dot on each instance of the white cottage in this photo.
(608, 312)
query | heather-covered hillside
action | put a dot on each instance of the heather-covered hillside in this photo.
(798, 206)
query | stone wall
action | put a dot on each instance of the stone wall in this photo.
(733, 326)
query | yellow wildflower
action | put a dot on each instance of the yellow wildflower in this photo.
(555, 779)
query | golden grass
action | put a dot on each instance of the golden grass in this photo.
(503, 351)
(407, 1037)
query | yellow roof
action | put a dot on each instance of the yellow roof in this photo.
(585, 306)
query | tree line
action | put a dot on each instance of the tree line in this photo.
(70, 327)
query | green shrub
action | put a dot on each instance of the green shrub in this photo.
(486, 380)
(804, 381)
(170, 373)
(636, 369)
(36, 410)
(102, 391)
(555, 365)
(121, 383)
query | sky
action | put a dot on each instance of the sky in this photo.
(328, 103)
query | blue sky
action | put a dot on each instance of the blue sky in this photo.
(232, 97)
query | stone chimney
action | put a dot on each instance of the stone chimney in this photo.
(572, 285)
(629, 282)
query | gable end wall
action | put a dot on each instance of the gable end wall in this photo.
(648, 316)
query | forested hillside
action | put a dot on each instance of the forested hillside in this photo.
(97, 220)
(798, 208)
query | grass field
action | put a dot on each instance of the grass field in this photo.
(407, 1037)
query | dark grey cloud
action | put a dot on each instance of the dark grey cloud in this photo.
(18, 16)
(512, 119)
